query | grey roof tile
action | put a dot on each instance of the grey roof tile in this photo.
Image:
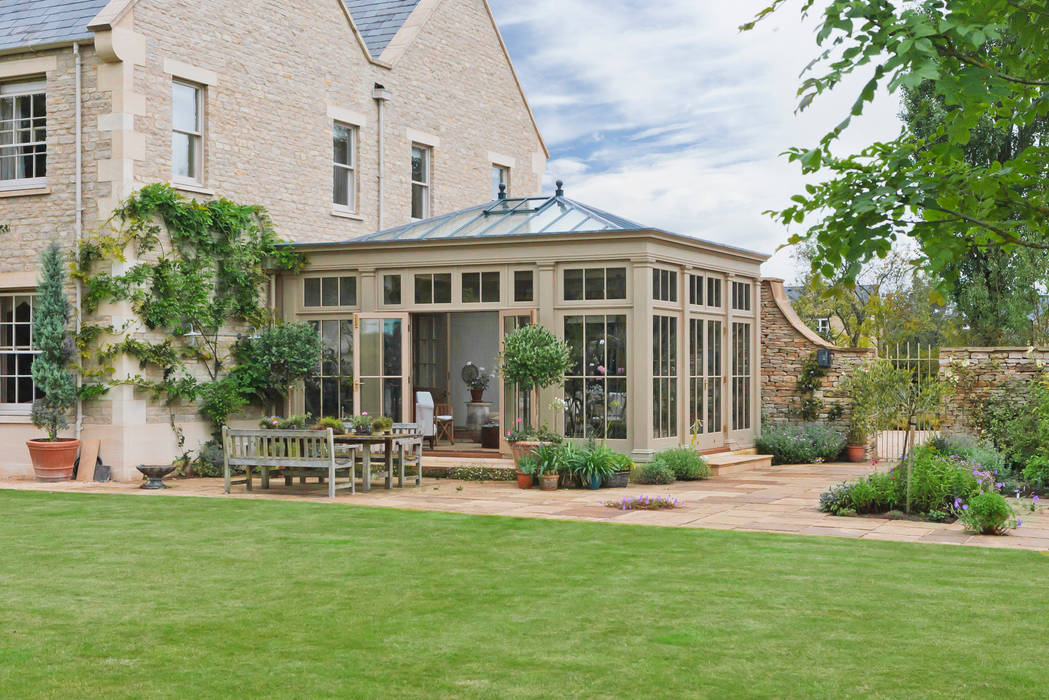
(25, 23)
(379, 20)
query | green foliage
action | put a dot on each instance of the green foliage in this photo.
(809, 382)
(472, 472)
(332, 422)
(988, 62)
(1016, 421)
(800, 444)
(210, 460)
(969, 448)
(876, 493)
(547, 458)
(836, 499)
(987, 513)
(211, 275)
(533, 358)
(685, 463)
(50, 317)
(382, 423)
(655, 473)
(937, 480)
(1036, 471)
(361, 421)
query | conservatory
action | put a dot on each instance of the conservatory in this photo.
(663, 328)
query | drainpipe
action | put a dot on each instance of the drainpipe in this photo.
(381, 95)
(78, 215)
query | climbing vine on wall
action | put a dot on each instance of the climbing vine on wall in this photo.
(198, 268)
(809, 382)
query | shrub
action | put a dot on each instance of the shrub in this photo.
(685, 463)
(332, 422)
(937, 480)
(50, 318)
(299, 421)
(1036, 471)
(655, 473)
(987, 513)
(875, 493)
(800, 444)
(210, 459)
(592, 461)
(1010, 421)
(471, 472)
(969, 448)
(836, 498)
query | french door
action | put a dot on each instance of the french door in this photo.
(514, 404)
(706, 381)
(381, 365)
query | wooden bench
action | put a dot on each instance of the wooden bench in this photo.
(301, 452)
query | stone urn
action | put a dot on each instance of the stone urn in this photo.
(53, 461)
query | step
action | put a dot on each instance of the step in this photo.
(732, 463)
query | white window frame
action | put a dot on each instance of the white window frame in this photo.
(424, 184)
(196, 137)
(823, 325)
(350, 169)
(504, 179)
(12, 90)
(23, 408)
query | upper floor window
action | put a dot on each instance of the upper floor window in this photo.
(480, 287)
(594, 283)
(500, 176)
(187, 135)
(823, 326)
(664, 285)
(421, 162)
(741, 296)
(433, 288)
(344, 167)
(329, 291)
(17, 390)
(23, 133)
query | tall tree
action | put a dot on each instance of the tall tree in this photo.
(996, 289)
(917, 185)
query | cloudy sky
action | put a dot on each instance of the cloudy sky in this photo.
(673, 117)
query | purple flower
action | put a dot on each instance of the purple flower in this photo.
(957, 502)
(1018, 522)
(1034, 498)
(965, 506)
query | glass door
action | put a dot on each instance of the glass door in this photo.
(706, 381)
(381, 362)
(513, 403)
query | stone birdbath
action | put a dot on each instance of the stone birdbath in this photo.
(154, 474)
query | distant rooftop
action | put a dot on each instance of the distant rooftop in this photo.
(25, 23)
(379, 20)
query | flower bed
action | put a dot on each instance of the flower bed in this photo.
(645, 503)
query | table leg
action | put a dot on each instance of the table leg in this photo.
(366, 468)
(389, 464)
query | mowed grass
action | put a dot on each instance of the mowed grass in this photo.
(125, 596)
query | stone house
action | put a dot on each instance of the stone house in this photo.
(340, 117)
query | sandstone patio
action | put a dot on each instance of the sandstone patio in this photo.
(781, 499)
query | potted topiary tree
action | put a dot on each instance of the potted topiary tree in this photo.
(52, 456)
(532, 358)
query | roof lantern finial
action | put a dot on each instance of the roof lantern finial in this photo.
(560, 191)
(502, 190)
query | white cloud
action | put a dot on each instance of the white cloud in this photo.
(665, 113)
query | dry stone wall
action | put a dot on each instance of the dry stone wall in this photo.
(980, 373)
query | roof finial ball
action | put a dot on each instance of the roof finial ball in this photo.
(502, 190)
(560, 191)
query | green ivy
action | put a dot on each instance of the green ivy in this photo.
(809, 381)
(207, 273)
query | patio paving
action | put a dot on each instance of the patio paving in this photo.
(780, 499)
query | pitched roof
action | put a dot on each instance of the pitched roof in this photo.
(25, 23)
(514, 218)
(379, 20)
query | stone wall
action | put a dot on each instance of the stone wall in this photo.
(980, 373)
(786, 342)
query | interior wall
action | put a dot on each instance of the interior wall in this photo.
(474, 337)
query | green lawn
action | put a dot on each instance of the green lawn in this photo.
(125, 596)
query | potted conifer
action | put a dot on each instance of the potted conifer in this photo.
(52, 456)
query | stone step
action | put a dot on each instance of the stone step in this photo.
(732, 463)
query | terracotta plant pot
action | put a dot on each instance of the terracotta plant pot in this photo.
(53, 461)
(477, 395)
(524, 481)
(856, 453)
(520, 449)
(548, 482)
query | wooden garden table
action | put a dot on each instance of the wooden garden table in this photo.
(366, 441)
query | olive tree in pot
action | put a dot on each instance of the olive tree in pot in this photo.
(52, 456)
(532, 358)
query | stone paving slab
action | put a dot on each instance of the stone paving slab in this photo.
(781, 499)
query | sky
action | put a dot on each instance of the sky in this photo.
(675, 118)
